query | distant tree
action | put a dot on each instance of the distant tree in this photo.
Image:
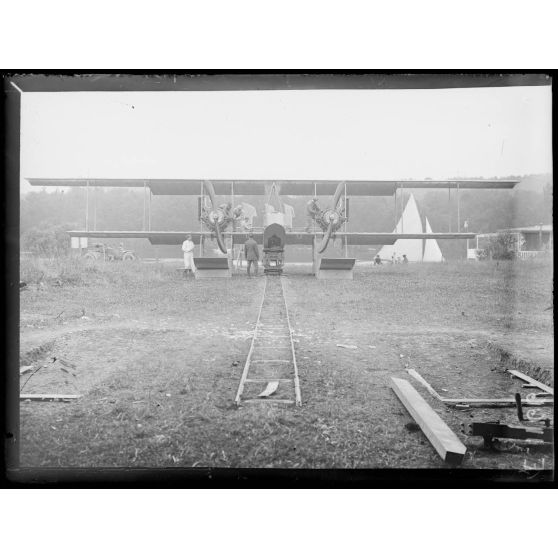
(123, 209)
(502, 246)
(48, 241)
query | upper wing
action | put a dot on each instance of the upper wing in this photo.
(193, 187)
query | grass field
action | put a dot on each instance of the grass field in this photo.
(158, 358)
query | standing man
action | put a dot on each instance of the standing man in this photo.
(226, 208)
(188, 249)
(251, 253)
(289, 214)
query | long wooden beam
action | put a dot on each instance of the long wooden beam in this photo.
(421, 380)
(508, 401)
(445, 442)
(47, 396)
(532, 382)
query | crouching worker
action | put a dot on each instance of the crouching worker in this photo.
(188, 249)
(251, 253)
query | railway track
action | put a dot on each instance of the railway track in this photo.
(270, 374)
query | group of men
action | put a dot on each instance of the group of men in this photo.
(251, 254)
(241, 214)
(251, 250)
(394, 259)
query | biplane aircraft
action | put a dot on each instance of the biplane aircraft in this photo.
(221, 221)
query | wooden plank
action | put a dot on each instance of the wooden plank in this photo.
(494, 401)
(270, 389)
(46, 396)
(268, 337)
(499, 405)
(446, 443)
(508, 401)
(412, 372)
(212, 263)
(289, 401)
(531, 381)
(273, 360)
(337, 263)
(259, 380)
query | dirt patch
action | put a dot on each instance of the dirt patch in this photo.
(532, 369)
(33, 356)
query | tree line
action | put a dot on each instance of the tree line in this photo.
(45, 216)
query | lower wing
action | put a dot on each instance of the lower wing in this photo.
(302, 238)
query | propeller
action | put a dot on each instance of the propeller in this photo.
(332, 217)
(216, 217)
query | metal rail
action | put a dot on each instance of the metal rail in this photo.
(273, 341)
(296, 380)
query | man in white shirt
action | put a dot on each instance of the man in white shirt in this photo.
(188, 249)
(289, 214)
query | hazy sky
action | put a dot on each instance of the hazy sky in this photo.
(342, 134)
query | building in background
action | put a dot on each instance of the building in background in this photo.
(529, 242)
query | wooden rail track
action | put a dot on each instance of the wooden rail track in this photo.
(270, 374)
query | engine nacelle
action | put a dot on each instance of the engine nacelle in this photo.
(330, 217)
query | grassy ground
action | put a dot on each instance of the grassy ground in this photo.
(158, 359)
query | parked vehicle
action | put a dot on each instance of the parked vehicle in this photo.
(108, 253)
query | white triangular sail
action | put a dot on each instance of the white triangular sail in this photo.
(432, 252)
(410, 223)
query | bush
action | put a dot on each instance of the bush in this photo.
(502, 246)
(76, 271)
(49, 241)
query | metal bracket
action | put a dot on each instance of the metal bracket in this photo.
(491, 430)
(531, 416)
